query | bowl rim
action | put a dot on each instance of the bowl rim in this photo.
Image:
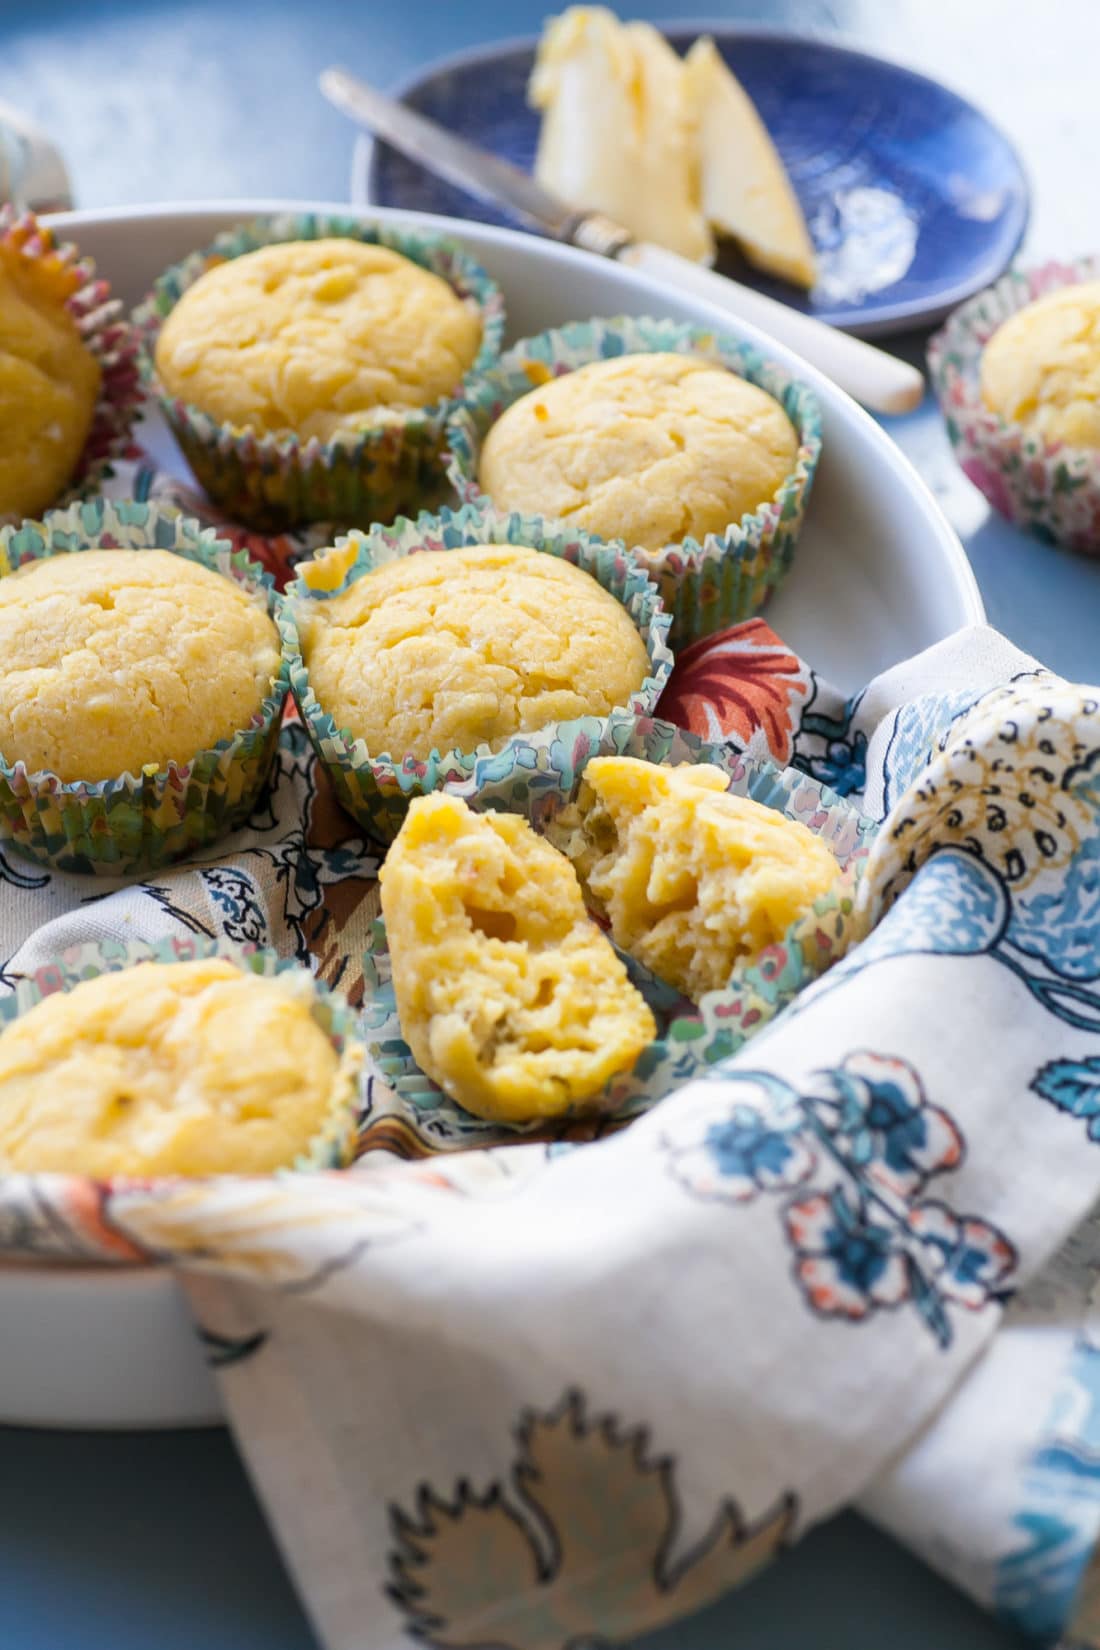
(145, 1302)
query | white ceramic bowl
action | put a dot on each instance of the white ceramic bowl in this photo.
(879, 575)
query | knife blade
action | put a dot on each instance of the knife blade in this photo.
(872, 376)
(448, 156)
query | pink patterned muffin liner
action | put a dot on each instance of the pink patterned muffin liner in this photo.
(1048, 488)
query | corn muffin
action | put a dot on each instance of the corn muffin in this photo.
(316, 337)
(454, 649)
(49, 382)
(509, 996)
(691, 877)
(170, 1068)
(115, 661)
(649, 448)
(1041, 368)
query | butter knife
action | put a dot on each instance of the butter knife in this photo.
(875, 378)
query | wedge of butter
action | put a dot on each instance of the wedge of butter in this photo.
(618, 133)
(671, 148)
(745, 189)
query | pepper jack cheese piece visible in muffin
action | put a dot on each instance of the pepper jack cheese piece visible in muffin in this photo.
(170, 1068)
(49, 381)
(112, 661)
(691, 877)
(1041, 368)
(508, 994)
(316, 337)
(649, 448)
(453, 649)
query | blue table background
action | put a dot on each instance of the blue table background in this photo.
(138, 1541)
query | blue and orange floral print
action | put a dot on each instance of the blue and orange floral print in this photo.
(857, 1149)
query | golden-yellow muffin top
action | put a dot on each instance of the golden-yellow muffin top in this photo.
(316, 337)
(170, 1068)
(116, 660)
(691, 877)
(1041, 368)
(508, 994)
(452, 649)
(649, 448)
(49, 382)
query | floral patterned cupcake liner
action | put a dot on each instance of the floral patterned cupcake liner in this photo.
(1047, 488)
(276, 481)
(706, 585)
(376, 789)
(138, 822)
(72, 280)
(411, 1113)
(333, 1146)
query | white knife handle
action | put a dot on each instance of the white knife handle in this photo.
(873, 377)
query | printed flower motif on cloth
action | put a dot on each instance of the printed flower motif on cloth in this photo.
(828, 743)
(861, 1243)
(758, 1146)
(917, 729)
(739, 684)
(1014, 785)
(593, 1516)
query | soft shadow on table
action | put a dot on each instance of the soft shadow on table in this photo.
(209, 1577)
(1006, 564)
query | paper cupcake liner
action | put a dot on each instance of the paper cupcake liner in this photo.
(334, 1144)
(272, 482)
(138, 822)
(72, 280)
(1049, 489)
(376, 789)
(706, 584)
(411, 1113)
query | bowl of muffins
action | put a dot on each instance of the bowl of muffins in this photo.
(477, 683)
(616, 481)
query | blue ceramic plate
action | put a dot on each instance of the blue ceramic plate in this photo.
(913, 199)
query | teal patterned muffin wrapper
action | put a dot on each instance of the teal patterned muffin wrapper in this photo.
(706, 584)
(1049, 489)
(692, 1038)
(103, 331)
(373, 473)
(376, 788)
(334, 1144)
(139, 822)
